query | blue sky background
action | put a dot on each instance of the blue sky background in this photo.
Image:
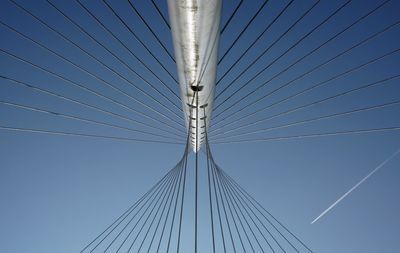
(57, 193)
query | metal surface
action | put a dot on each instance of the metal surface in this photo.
(195, 32)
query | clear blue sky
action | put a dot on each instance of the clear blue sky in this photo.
(58, 192)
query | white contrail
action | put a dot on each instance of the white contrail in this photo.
(358, 184)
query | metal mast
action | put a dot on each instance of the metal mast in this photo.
(195, 32)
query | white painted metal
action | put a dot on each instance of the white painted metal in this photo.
(195, 33)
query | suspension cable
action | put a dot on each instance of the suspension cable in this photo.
(63, 58)
(168, 211)
(306, 55)
(123, 216)
(231, 16)
(216, 199)
(109, 31)
(196, 172)
(243, 30)
(151, 30)
(252, 44)
(230, 204)
(161, 207)
(77, 118)
(209, 183)
(382, 81)
(77, 46)
(267, 49)
(138, 39)
(83, 30)
(303, 136)
(243, 202)
(98, 109)
(364, 41)
(161, 14)
(250, 199)
(236, 200)
(184, 184)
(284, 53)
(158, 201)
(31, 130)
(225, 213)
(328, 116)
(170, 207)
(82, 87)
(153, 196)
(239, 207)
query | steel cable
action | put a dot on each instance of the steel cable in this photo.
(315, 86)
(83, 30)
(81, 103)
(109, 31)
(77, 118)
(302, 58)
(138, 39)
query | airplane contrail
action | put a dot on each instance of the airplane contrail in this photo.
(357, 185)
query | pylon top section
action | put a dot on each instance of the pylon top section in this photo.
(195, 32)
